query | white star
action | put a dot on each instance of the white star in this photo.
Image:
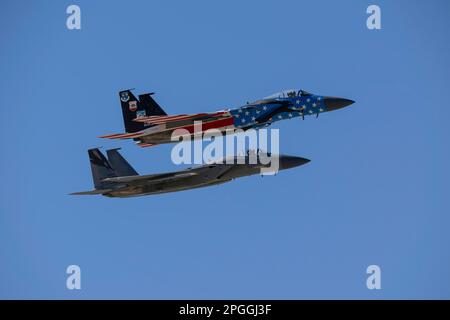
(310, 111)
(240, 110)
(308, 100)
(320, 109)
(279, 117)
(303, 107)
(298, 101)
(243, 120)
(264, 108)
(253, 118)
(319, 98)
(314, 105)
(290, 115)
(258, 112)
(247, 113)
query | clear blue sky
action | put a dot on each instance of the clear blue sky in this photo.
(375, 192)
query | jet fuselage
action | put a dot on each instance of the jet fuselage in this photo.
(147, 123)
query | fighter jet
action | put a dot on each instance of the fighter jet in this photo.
(148, 124)
(115, 177)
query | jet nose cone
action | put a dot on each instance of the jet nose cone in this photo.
(333, 103)
(287, 162)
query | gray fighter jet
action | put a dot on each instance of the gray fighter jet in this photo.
(115, 177)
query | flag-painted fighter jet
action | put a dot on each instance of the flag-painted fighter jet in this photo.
(115, 177)
(148, 124)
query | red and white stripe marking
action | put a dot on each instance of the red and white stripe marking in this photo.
(164, 119)
(145, 145)
(221, 124)
(123, 135)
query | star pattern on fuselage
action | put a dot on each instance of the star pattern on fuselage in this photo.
(291, 107)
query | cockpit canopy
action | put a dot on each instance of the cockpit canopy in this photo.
(288, 94)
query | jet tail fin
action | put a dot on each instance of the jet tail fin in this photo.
(100, 167)
(120, 166)
(102, 170)
(133, 108)
(150, 105)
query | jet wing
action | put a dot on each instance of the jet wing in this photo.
(163, 177)
(182, 117)
(185, 119)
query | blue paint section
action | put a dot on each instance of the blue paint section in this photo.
(289, 107)
(247, 115)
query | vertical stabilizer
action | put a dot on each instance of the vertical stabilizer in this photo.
(133, 108)
(101, 168)
(120, 166)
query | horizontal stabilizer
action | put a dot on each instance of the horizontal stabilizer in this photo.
(93, 192)
(123, 135)
(146, 145)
